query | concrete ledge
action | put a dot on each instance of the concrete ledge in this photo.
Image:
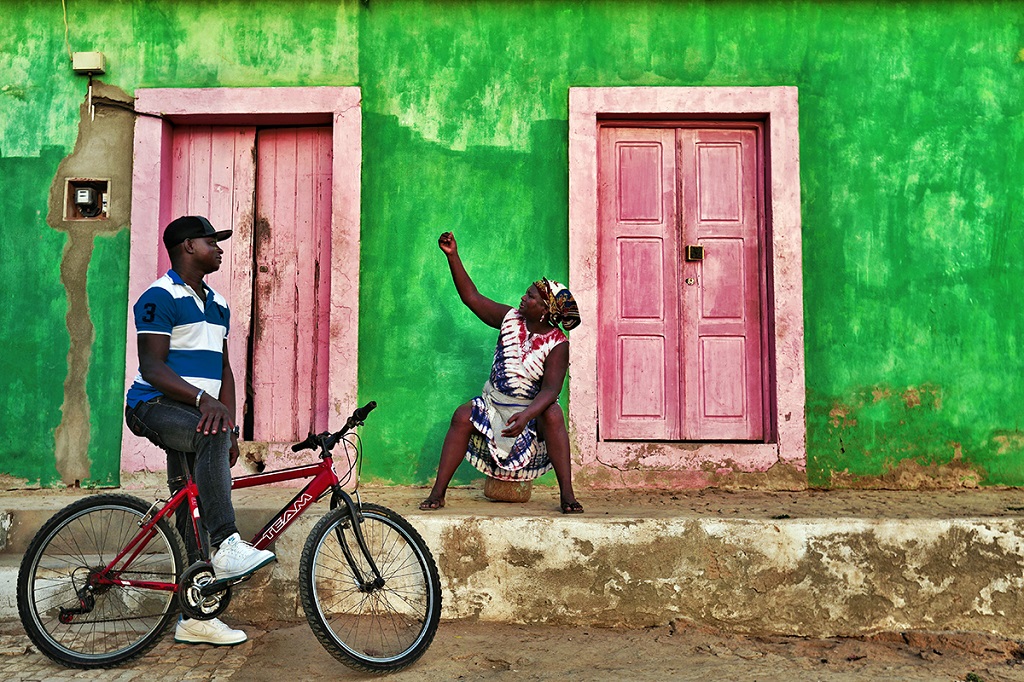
(813, 577)
(810, 564)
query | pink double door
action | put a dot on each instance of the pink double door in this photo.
(273, 188)
(681, 284)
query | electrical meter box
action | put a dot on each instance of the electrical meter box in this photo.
(88, 62)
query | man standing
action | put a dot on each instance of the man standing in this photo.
(183, 400)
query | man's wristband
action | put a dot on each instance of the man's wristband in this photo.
(199, 396)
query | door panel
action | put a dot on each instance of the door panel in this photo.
(722, 314)
(722, 374)
(718, 182)
(637, 277)
(640, 272)
(679, 341)
(639, 165)
(643, 377)
(213, 174)
(292, 281)
(722, 274)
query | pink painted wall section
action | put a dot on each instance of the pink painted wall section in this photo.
(689, 463)
(151, 210)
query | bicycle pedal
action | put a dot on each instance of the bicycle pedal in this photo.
(221, 585)
(236, 581)
(217, 586)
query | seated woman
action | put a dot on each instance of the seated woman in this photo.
(521, 396)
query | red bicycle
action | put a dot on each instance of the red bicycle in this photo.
(105, 577)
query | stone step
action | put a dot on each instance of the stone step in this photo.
(810, 563)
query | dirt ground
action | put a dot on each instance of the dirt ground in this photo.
(726, 503)
(468, 650)
(630, 503)
(465, 650)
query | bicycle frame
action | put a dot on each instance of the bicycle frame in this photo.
(323, 477)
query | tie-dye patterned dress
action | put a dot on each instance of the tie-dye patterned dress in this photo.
(515, 380)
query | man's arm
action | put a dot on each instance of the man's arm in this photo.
(153, 350)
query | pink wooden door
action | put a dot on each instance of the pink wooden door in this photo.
(638, 334)
(721, 350)
(213, 175)
(292, 284)
(679, 341)
(279, 372)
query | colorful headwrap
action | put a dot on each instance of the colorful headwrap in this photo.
(561, 305)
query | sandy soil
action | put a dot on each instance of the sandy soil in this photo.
(465, 650)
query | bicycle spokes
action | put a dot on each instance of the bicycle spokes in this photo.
(376, 615)
(80, 609)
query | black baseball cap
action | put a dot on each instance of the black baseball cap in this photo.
(191, 227)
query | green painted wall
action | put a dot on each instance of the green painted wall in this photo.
(32, 332)
(911, 118)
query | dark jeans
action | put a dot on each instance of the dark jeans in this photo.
(172, 426)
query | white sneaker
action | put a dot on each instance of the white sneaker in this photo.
(236, 559)
(213, 631)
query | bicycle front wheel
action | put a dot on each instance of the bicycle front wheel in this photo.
(370, 627)
(107, 624)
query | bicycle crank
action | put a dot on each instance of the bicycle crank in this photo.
(194, 595)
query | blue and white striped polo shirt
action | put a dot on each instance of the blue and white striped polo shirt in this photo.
(197, 330)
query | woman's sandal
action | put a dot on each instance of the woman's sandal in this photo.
(431, 504)
(573, 507)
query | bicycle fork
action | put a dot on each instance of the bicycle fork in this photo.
(367, 583)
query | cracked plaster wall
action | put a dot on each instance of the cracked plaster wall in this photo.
(810, 577)
(102, 151)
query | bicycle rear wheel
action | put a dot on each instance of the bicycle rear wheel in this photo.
(109, 624)
(373, 629)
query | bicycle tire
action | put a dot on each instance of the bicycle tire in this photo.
(124, 622)
(379, 631)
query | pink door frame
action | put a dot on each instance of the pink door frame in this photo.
(660, 464)
(160, 109)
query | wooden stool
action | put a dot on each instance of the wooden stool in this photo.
(507, 491)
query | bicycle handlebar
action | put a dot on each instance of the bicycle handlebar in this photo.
(328, 440)
(363, 412)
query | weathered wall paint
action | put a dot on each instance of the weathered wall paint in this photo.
(40, 99)
(102, 152)
(910, 122)
(911, 235)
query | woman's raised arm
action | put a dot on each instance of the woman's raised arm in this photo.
(490, 312)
